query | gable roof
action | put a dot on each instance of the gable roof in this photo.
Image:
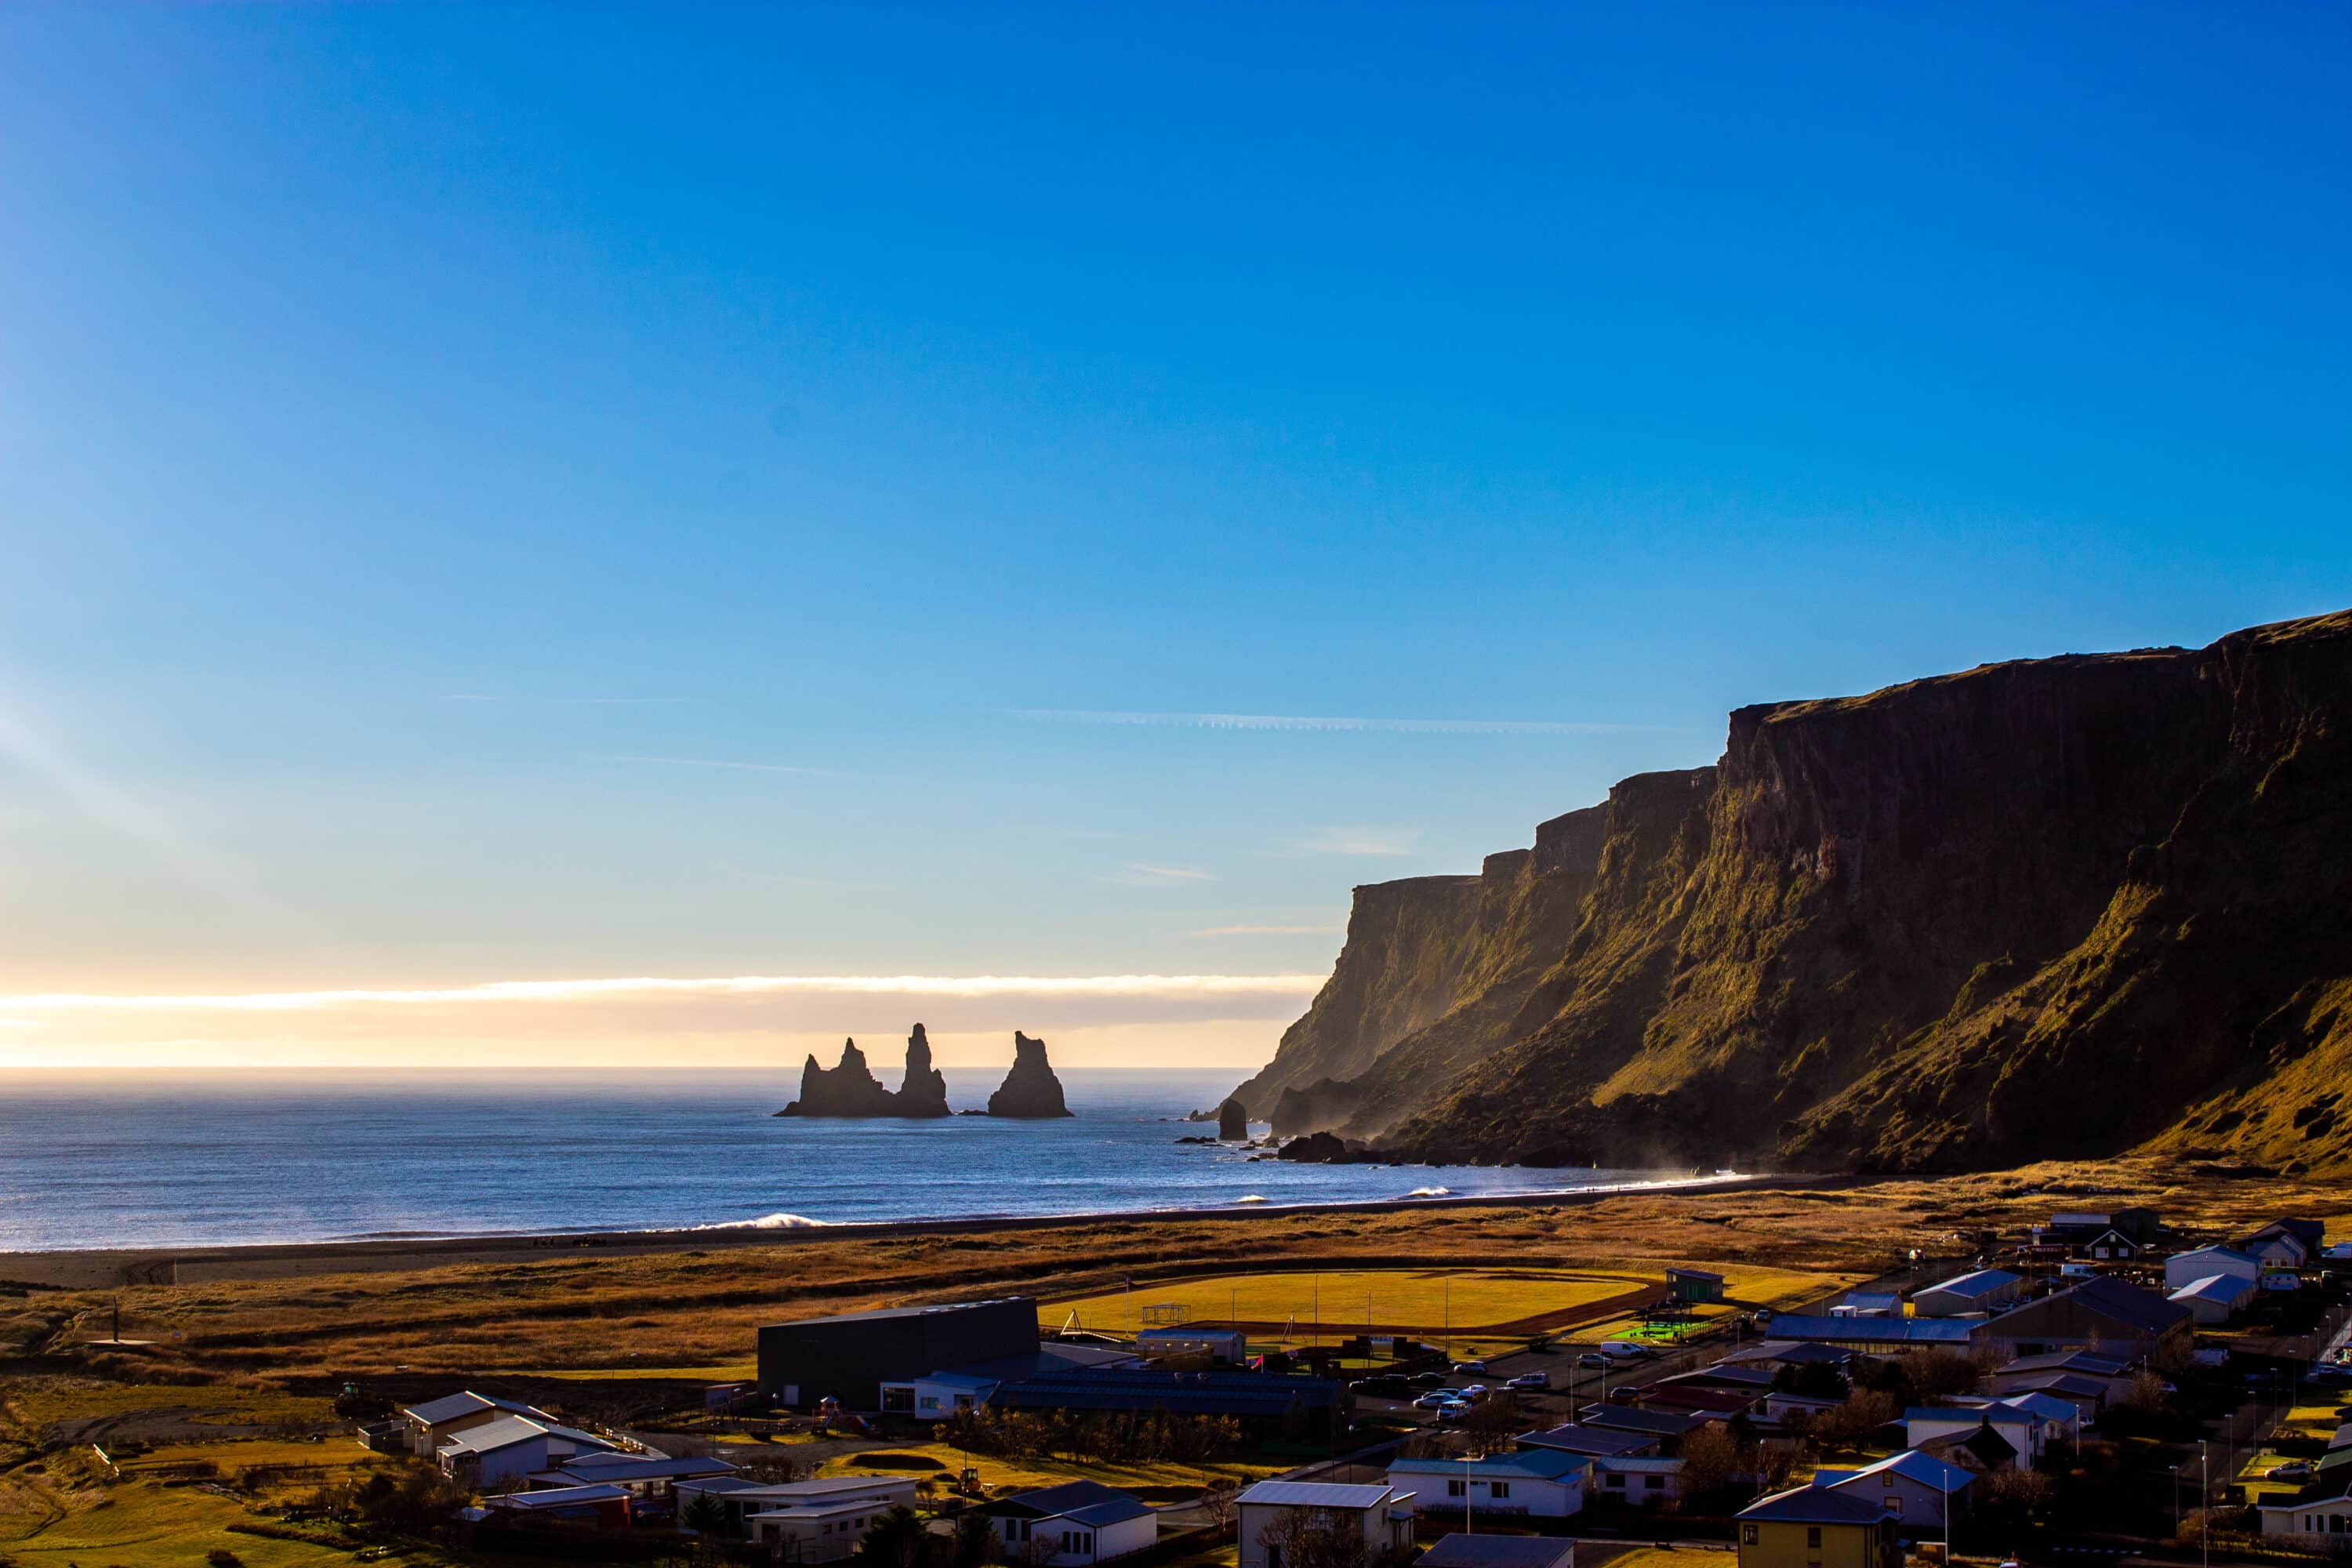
(492, 1436)
(1982, 1414)
(1546, 1464)
(2226, 1288)
(1604, 1441)
(1911, 1464)
(1976, 1284)
(1813, 1505)
(1460, 1551)
(1664, 1423)
(450, 1406)
(1316, 1494)
(1986, 1444)
(1087, 1502)
(1858, 1331)
(2081, 1361)
(562, 1496)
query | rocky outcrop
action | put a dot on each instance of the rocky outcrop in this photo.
(2056, 907)
(924, 1090)
(1030, 1091)
(1233, 1122)
(851, 1088)
(1315, 1149)
(848, 1090)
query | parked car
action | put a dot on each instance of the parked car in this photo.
(1593, 1359)
(1453, 1410)
(1530, 1380)
(2292, 1470)
(1469, 1366)
(1624, 1396)
(1434, 1402)
(1625, 1350)
(1473, 1390)
(1427, 1380)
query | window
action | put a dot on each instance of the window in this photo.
(1615, 1481)
(899, 1400)
(1812, 1538)
(1654, 1483)
(1498, 1488)
(1747, 1535)
(1457, 1489)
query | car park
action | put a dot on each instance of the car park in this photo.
(1453, 1410)
(1427, 1380)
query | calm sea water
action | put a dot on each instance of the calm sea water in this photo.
(158, 1163)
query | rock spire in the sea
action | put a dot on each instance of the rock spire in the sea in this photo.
(1233, 1122)
(925, 1091)
(1030, 1091)
(852, 1090)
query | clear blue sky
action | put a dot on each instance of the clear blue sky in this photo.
(411, 418)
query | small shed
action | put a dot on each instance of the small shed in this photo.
(1696, 1286)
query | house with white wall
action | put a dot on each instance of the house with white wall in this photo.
(1383, 1515)
(1915, 1487)
(1541, 1483)
(1075, 1522)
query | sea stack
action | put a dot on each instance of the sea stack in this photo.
(1233, 1122)
(852, 1090)
(1030, 1091)
(848, 1090)
(925, 1091)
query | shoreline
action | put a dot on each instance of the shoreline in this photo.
(99, 1268)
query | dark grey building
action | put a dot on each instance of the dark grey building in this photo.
(851, 1356)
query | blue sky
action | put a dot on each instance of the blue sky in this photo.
(455, 464)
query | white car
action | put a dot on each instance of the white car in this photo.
(1469, 1366)
(1434, 1402)
(1475, 1391)
(1530, 1380)
(1453, 1410)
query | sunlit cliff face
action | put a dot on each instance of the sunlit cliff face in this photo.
(1106, 1021)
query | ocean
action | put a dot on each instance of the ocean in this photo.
(166, 1163)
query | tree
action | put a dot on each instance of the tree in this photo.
(974, 1542)
(1313, 1538)
(1221, 1500)
(896, 1539)
(705, 1515)
(1711, 1461)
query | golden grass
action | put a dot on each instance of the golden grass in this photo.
(1041, 1472)
(1412, 1300)
(1660, 1556)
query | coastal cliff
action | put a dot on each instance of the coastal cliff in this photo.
(1030, 1091)
(2065, 907)
(851, 1088)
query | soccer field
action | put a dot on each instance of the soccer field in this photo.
(1343, 1301)
(1502, 1303)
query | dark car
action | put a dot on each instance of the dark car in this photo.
(1427, 1380)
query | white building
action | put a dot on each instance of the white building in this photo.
(2185, 1268)
(1218, 1345)
(1076, 1522)
(1985, 1291)
(1383, 1514)
(938, 1396)
(511, 1449)
(1541, 1483)
(428, 1426)
(1915, 1487)
(2025, 1431)
(1638, 1480)
(813, 1532)
(2216, 1299)
(746, 1500)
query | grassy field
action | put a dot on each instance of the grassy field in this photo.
(1401, 1300)
(1157, 1483)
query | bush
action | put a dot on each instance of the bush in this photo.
(221, 1557)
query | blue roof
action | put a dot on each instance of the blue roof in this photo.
(1982, 1282)
(1872, 1331)
(1999, 1414)
(1551, 1464)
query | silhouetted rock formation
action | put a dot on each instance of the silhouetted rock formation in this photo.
(1315, 1149)
(1233, 1122)
(1030, 1091)
(852, 1090)
(2061, 908)
(849, 1089)
(924, 1091)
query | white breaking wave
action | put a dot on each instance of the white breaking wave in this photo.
(1431, 1193)
(765, 1222)
(1252, 1198)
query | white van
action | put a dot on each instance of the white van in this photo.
(1625, 1350)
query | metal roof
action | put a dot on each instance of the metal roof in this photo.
(1873, 1330)
(1088, 1502)
(1911, 1464)
(1316, 1494)
(1602, 1441)
(492, 1436)
(1813, 1505)
(1665, 1423)
(1977, 1285)
(1548, 1464)
(1459, 1551)
(2226, 1288)
(562, 1496)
